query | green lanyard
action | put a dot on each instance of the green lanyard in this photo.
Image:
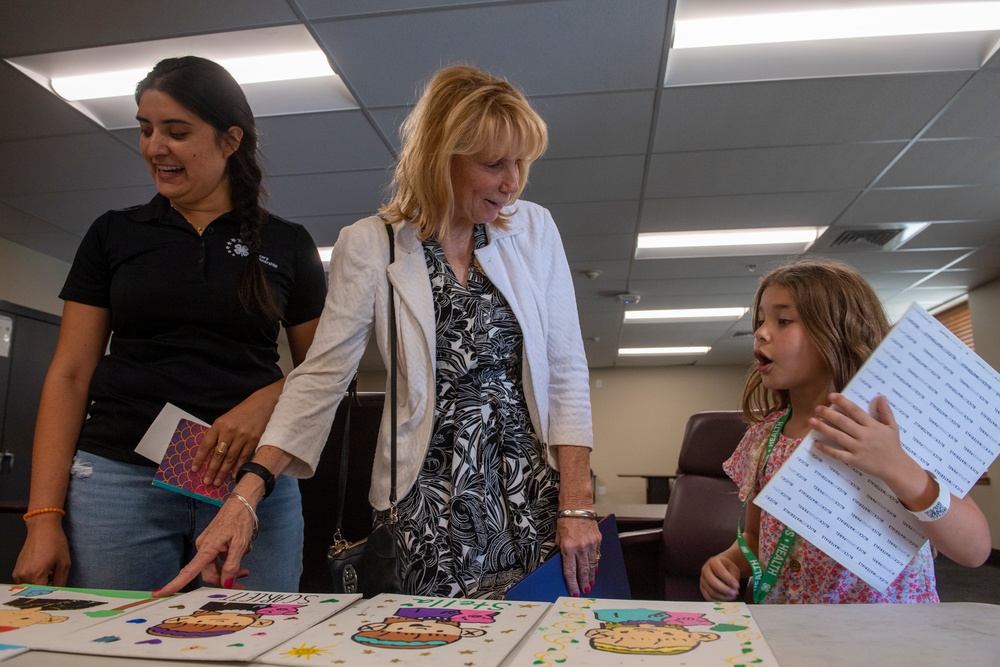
(763, 579)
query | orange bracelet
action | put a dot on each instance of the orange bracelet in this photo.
(44, 510)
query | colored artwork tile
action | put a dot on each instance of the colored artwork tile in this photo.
(405, 630)
(208, 624)
(580, 631)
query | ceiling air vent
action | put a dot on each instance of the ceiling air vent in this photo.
(743, 334)
(868, 238)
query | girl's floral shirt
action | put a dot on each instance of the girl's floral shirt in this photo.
(809, 575)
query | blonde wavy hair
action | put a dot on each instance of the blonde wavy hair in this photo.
(462, 111)
(842, 316)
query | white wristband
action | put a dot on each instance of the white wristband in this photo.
(939, 507)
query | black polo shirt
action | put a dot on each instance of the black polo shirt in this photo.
(179, 333)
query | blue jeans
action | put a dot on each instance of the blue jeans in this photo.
(124, 533)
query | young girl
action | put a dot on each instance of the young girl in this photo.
(815, 323)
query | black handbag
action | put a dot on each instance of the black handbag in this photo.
(369, 566)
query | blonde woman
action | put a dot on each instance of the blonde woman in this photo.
(495, 430)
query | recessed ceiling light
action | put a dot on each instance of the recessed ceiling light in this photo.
(727, 242)
(654, 351)
(686, 314)
(282, 71)
(251, 69)
(917, 19)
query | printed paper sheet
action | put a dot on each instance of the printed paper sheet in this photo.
(32, 615)
(946, 401)
(414, 630)
(588, 631)
(206, 624)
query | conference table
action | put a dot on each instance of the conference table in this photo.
(955, 633)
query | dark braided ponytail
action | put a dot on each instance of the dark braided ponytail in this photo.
(206, 89)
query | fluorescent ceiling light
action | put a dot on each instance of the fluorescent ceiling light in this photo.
(920, 19)
(325, 253)
(686, 314)
(727, 242)
(252, 69)
(282, 71)
(654, 351)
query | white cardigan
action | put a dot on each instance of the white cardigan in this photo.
(527, 264)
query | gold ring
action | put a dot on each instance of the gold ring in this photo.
(597, 558)
(222, 448)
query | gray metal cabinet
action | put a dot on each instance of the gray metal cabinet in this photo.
(27, 342)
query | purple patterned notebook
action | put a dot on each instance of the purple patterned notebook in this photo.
(175, 470)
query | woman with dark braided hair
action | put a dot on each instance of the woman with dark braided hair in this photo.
(191, 290)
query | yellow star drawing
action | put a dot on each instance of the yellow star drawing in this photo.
(306, 652)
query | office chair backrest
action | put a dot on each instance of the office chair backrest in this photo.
(704, 504)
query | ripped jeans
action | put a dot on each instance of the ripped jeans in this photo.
(124, 533)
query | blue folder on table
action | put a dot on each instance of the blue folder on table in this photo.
(546, 583)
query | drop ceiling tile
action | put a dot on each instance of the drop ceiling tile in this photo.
(325, 229)
(49, 114)
(604, 217)
(768, 170)
(321, 142)
(802, 111)
(13, 221)
(946, 162)
(876, 261)
(75, 162)
(922, 204)
(610, 272)
(792, 209)
(74, 211)
(580, 248)
(383, 59)
(323, 9)
(964, 117)
(42, 26)
(749, 267)
(55, 243)
(325, 194)
(955, 234)
(584, 179)
(597, 124)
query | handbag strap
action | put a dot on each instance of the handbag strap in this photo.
(392, 378)
(352, 398)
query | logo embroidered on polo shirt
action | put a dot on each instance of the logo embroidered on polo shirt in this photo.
(236, 247)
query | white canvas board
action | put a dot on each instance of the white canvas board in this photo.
(602, 632)
(156, 439)
(414, 630)
(207, 624)
(10, 650)
(32, 615)
(946, 401)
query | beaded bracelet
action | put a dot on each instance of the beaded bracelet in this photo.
(44, 510)
(578, 514)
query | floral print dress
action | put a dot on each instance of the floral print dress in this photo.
(809, 575)
(482, 511)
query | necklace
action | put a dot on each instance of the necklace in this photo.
(200, 230)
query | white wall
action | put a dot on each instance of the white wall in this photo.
(31, 279)
(639, 420)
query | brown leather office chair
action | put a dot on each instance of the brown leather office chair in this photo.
(704, 504)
